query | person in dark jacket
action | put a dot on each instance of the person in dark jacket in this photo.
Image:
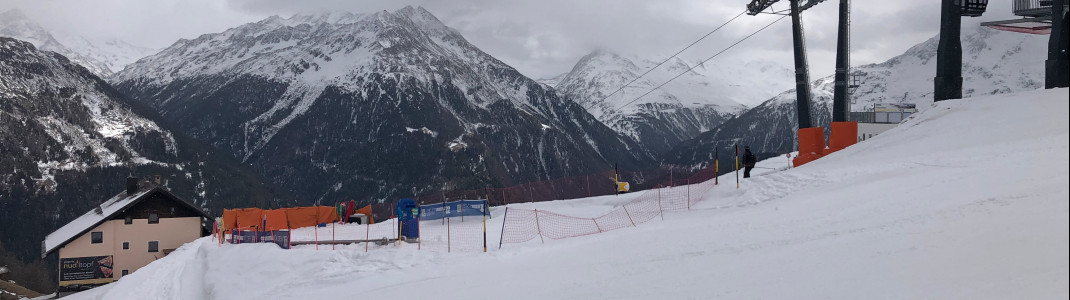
(749, 160)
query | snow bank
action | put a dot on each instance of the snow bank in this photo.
(965, 200)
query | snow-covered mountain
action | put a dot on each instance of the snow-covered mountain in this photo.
(68, 140)
(696, 102)
(103, 58)
(371, 106)
(994, 62)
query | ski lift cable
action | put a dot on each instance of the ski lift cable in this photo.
(665, 61)
(700, 63)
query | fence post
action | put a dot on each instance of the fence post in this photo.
(588, 186)
(447, 236)
(530, 197)
(485, 208)
(502, 237)
(367, 235)
(628, 214)
(538, 226)
(689, 194)
(660, 211)
(504, 200)
(333, 239)
(596, 225)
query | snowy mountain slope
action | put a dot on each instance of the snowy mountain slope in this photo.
(693, 103)
(114, 54)
(15, 24)
(994, 62)
(372, 106)
(968, 218)
(68, 140)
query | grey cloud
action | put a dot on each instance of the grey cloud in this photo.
(541, 38)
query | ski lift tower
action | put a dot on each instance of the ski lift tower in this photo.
(948, 82)
(1043, 17)
(812, 139)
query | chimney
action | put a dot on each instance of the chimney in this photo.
(131, 185)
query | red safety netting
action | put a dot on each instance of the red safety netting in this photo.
(522, 225)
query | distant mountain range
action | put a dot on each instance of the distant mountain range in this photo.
(68, 140)
(699, 100)
(994, 62)
(103, 58)
(372, 107)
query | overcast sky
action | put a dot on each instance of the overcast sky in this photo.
(541, 38)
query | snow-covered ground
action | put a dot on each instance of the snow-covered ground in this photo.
(967, 200)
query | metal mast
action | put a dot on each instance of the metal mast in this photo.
(948, 81)
(841, 102)
(802, 69)
(1056, 67)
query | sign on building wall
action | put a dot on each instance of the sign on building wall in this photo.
(86, 270)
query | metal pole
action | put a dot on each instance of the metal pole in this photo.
(841, 102)
(689, 194)
(660, 211)
(948, 81)
(737, 164)
(802, 69)
(502, 237)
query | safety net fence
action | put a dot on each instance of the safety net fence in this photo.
(523, 225)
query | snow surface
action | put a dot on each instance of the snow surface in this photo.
(967, 199)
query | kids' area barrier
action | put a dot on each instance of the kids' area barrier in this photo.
(459, 225)
(522, 225)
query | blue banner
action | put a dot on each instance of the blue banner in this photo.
(454, 209)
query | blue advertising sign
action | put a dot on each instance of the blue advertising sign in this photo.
(453, 209)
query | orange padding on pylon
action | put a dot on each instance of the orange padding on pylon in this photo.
(367, 211)
(811, 145)
(811, 140)
(844, 134)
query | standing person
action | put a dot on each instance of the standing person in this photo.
(749, 160)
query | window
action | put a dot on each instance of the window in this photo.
(154, 246)
(154, 219)
(126, 272)
(98, 237)
(129, 220)
(126, 245)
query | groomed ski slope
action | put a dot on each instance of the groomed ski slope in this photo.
(967, 200)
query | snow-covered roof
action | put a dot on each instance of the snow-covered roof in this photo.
(91, 219)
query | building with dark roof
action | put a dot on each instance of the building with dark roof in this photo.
(143, 223)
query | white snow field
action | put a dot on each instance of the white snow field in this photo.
(966, 200)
